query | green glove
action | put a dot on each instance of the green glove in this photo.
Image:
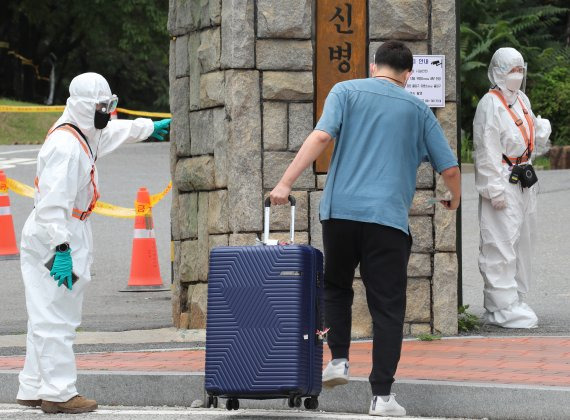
(160, 129)
(62, 268)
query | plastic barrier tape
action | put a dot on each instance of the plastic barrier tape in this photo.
(144, 113)
(102, 208)
(10, 108)
(60, 108)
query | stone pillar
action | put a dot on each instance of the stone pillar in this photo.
(241, 78)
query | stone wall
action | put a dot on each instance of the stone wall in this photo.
(241, 92)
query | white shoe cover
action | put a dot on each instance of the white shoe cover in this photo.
(518, 315)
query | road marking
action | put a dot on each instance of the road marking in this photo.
(12, 163)
(19, 151)
(201, 413)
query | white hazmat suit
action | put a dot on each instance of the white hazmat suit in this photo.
(64, 182)
(507, 213)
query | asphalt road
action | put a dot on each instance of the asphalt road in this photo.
(550, 294)
(125, 413)
(105, 308)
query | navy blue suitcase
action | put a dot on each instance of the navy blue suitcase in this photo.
(264, 322)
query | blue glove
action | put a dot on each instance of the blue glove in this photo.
(62, 268)
(160, 129)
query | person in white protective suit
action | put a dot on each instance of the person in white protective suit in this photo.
(505, 133)
(58, 233)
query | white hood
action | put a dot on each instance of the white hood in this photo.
(503, 61)
(85, 91)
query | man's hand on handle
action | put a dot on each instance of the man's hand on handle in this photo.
(452, 179)
(452, 204)
(280, 194)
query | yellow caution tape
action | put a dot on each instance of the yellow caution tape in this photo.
(28, 62)
(60, 108)
(154, 199)
(145, 208)
(14, 108)
(20, 188)
(142, 208)
(144, 113)
(102, 208)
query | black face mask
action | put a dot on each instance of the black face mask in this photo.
(101, 120)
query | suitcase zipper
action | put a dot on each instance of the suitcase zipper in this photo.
(312, 333)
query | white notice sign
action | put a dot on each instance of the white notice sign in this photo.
(427, 81)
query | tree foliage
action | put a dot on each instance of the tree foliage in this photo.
(126, 41)
(540, 30)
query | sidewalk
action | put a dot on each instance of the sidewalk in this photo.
(476, 376)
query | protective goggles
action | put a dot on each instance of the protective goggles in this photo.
(107, 105)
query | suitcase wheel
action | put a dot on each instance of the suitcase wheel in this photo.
(212, 401)
(232, 404)
(311, 403)
(295, 402)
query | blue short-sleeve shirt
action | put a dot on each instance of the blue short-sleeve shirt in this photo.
(382, 135)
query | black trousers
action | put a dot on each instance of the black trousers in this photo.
(383, 253)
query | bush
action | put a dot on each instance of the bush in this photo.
(466, 148)
(550, 97)
(467, 322)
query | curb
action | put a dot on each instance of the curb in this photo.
(420, 398)
(467, 168)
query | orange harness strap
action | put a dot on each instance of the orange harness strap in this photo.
(78, 214)
(529, 140)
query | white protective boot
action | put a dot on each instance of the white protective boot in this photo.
(518, 315)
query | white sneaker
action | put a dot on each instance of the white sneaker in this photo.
(388, 409)
(336, 373)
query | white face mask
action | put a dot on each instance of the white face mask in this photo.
(514, 81)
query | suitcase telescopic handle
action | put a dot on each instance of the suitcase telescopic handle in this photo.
(266, 221)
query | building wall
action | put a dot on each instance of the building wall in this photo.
(241, 92)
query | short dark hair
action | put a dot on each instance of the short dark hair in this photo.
(395, 55)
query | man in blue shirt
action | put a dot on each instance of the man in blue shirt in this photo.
(382, 135)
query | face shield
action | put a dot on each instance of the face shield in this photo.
(523, 87)
(103, 110)
(107, 105)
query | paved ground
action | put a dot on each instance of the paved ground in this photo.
(540, 361)
(105, 309)
(129, 413)
(524, 378)
(550, 294)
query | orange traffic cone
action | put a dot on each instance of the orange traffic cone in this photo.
(145, 271)
(8, 247)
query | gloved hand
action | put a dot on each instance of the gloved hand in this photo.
(62, 268)
(499, 202)
(160, 129)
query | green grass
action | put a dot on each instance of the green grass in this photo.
(541, 162)
(24, 127)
